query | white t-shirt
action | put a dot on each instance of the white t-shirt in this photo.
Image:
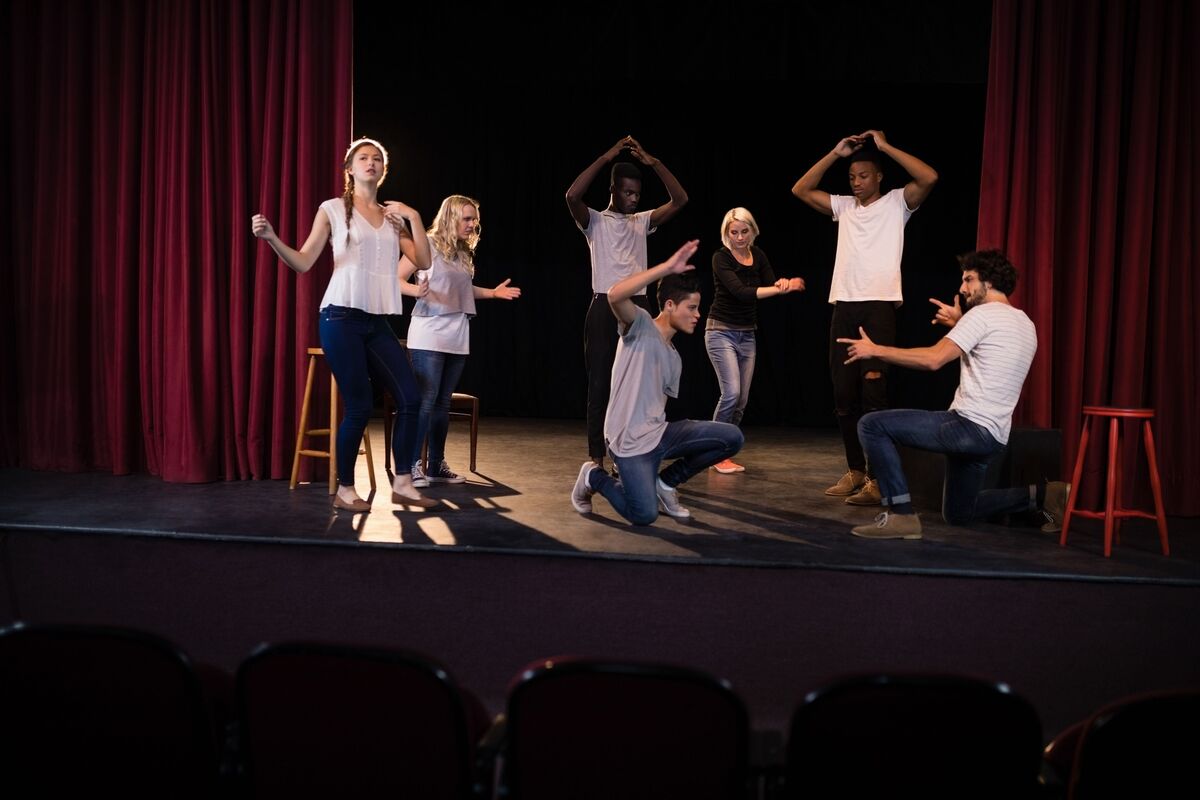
(365, 270)
(441, 320)
(618, 246)
(998, 344)
(870, 243)
(445, 333)
(645, 371)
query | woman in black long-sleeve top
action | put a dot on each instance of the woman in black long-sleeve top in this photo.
(742, 276)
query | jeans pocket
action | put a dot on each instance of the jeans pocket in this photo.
(334, 313)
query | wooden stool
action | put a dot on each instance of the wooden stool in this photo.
(331, 431)
(1112, 515)
(461, 405)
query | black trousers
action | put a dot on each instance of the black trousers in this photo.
(853, 394)
(599, 349)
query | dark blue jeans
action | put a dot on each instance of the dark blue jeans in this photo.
(362, 348)
(968, 447)
(437, 376)
(697, 445)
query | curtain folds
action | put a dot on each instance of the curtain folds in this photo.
(1089, 183)
(153, 332)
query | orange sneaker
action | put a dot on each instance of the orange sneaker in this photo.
(727, 467)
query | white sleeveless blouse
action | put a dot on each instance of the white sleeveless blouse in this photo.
(365, 268)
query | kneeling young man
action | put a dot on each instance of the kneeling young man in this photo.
(996, 344)
(645, 372)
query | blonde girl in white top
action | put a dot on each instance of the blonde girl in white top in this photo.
(439, 331)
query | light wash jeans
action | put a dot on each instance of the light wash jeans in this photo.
(968, 447)
(696, 445)
(732, 354)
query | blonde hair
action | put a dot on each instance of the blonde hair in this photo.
(348, 191)
(443, 233)
(738, 214)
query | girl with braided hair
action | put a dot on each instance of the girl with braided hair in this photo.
(368, 240)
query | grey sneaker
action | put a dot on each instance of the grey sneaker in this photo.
(443, 474)
(418, 476)
(1054, 508)
(668, 501)
(891, 526)
(581, 494)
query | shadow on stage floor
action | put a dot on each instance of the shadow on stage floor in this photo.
(773, 515)
(764, 587)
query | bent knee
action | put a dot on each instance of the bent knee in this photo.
(643, 517)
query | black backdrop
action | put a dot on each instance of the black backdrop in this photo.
(508, 108)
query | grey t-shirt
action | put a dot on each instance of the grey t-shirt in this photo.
(645, 372)
(618, 246)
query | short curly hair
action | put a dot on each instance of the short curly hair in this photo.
(993, 267)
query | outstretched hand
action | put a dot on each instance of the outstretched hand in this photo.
(946, 315)
(677, 263)
(506, 292)
(860, 348)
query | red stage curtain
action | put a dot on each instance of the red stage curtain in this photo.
(1089, 183)
(146, 329)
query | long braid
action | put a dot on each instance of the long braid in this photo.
(348, 201)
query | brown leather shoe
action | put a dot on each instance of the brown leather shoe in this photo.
(891, 526)
(419, 502)
(357, 506)
(850, 483)
(868, 495)
(1055, 505)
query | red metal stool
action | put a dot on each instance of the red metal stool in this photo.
(1112, 515)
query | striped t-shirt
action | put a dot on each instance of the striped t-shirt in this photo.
(998, 343)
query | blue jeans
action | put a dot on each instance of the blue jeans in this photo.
(696, 445)
(437, 376)
(968, 447)
(362, 348)
(732, 354)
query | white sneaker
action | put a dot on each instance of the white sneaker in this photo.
(418, 476)
(668, 501)
(581, 495)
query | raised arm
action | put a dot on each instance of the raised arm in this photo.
(299, 260)
(675, 191)
(928, 358)
(579, 186)
(923, 175)
(806, 188)
(620, 296)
